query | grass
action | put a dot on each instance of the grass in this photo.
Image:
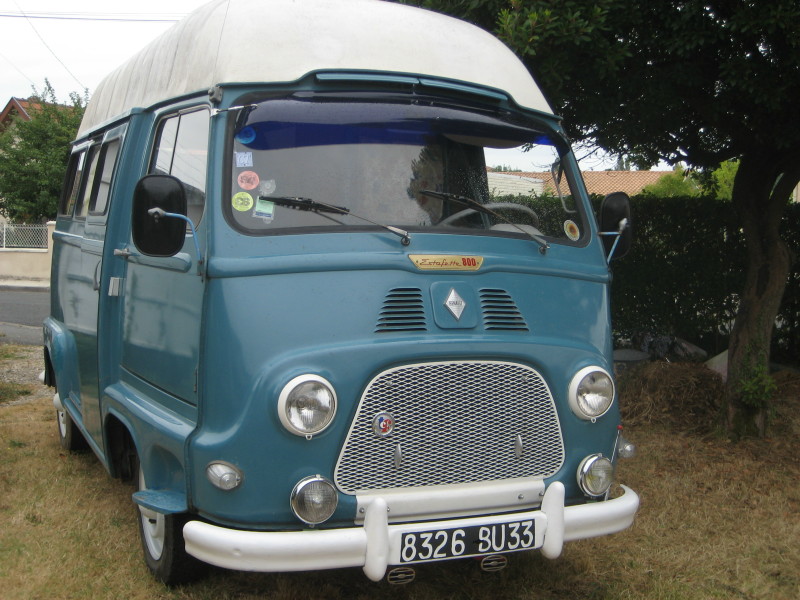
(717, 520)
(12, 391)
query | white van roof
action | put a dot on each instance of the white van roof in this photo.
(249, 41)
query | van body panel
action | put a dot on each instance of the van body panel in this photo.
(160, 335)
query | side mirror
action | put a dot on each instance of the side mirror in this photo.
(153, 234)
(616, 226)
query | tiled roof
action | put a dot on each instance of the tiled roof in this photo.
(604, 182)
(15, 106)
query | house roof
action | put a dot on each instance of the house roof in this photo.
(15, 106)
(603, 182)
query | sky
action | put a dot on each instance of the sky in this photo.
(81, 42)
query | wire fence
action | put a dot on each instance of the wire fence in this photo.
(23, 236)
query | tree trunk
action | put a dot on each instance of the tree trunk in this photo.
(761, 191)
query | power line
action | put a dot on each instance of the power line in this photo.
(16, 68)
(77, 16)
(36, 31)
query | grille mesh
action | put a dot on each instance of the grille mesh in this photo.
(455, 422)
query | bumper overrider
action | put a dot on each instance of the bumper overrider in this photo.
(378, 544)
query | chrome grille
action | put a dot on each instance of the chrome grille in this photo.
(454, 422)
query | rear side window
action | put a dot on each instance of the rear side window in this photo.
(72, 185)
(102, 183)
(181, 150)
(82, 209)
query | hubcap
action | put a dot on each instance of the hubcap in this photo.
(152, 526)
(62, 422)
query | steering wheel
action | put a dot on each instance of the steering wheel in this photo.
(492, 206)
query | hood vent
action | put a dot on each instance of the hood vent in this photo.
(402, 310)
(500, 312)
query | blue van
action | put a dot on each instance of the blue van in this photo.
(291, 303)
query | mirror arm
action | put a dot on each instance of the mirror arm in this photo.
(157, 213)
(623, 225)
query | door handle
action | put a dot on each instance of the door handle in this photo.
(96, 276)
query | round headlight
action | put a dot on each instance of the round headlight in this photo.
(595, 475)
(307, 405)
(591, 392)
(314, 499)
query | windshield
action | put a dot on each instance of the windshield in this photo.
(412, 164)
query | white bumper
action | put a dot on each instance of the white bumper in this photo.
(377, 544)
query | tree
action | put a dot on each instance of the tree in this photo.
(680, 182)
(723, 178)
(34, 155)
(693, 81)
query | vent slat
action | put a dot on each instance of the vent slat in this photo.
(403, 310)
(500, 312)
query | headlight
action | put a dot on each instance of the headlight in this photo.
(314, 500)
(595, 475)
(307, 405)
(591, 393)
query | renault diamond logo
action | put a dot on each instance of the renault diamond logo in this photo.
(455, 304)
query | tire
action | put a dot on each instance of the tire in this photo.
(69, 435)
(163, 546)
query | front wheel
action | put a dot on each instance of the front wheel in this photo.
(163, 546)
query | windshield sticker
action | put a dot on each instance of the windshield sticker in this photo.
(248, 180)
(446, 262)
(242, 202)
(264, 209)
(243, 159)
(268, 187)
(247, 135)
(572, 231)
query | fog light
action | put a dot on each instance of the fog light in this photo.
(595, 475)
(224, 475)
(314, 500)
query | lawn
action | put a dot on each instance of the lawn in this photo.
(717, 520)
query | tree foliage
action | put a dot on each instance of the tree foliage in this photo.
(681, 182)
(34, 155)
(692, 81)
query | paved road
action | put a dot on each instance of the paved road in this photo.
(21, 315)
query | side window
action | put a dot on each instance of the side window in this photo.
(181, 150)
(87, 186)
(72, 184)
(102, 184)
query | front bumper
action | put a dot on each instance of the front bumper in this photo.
(376, 545)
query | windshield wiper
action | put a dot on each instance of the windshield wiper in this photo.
(477, 206)
(299, 203)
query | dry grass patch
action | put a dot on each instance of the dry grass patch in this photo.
(717, 521)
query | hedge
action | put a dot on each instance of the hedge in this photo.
(685, 271)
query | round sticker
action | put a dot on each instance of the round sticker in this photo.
(248, 180)
(242, 201)
(267, 187)
(246, 135)
(572, 231)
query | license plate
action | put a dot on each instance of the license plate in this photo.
(476, 540)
